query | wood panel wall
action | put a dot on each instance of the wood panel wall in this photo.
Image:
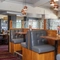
(53, 33)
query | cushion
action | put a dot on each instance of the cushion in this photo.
(58, 57)
(42, 48)
(23, 44)
(16, 41)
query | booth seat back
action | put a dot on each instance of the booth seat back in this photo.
(13, 34)
(33, 38)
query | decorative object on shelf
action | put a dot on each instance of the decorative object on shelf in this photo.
(24, 10)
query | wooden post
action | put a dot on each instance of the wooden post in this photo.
(45, 24)
(10, 24)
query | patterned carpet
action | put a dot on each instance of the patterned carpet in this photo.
(5, 55)
(3, 48)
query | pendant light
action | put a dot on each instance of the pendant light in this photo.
(52, 3)
(24, 10)
(56, 6)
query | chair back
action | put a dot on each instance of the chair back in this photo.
(33, 38)
(13, 34)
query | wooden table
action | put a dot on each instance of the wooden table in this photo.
(56, 39)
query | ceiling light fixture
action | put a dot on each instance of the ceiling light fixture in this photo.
(56, 6)
(52, 3)
(56, 9)
(24, 10)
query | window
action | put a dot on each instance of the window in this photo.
(52, 24)
(33, 22)
(4, 24)
(18, 23)
(41, 24)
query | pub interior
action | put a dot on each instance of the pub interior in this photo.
(31, 33)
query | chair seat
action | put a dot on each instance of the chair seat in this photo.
(23, 44)
(58, 57)
(17, 41)
(43, 48)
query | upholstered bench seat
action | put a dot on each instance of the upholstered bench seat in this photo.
(23, 44)
(17, 41)
(43, 48)
(58, 57)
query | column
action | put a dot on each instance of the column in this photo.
(12, 18)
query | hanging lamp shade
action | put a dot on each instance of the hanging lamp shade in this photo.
(23, 12)
(56, 6)
(56, 9)
(25, 7)
(52, 3)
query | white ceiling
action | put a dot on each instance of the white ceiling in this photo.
(39, 3)
(24, 1)
(42, 3)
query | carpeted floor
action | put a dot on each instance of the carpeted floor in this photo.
(3, 48)
(5, 55)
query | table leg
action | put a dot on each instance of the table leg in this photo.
(56, 47)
